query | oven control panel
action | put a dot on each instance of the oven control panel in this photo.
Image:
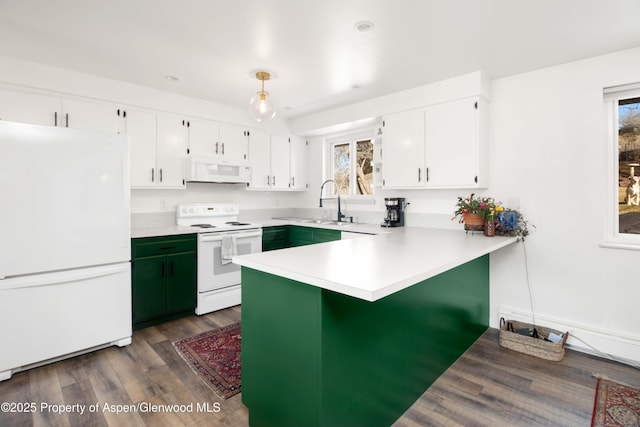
(191, 210)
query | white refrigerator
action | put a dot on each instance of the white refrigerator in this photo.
(65, 271)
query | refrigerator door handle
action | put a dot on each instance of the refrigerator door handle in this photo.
(59, 277)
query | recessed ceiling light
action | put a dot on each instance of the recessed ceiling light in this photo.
(363, 26)
(171, 78)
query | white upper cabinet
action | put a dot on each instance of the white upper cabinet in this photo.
(90, 115)
(452, 144)
(280, 161)
(224, 142)
(29, 107)
(403, 150)
(260, 155)
(203, 138)
(234, 144)
(298, 152)
(158, 149)
(171, 151)
(441, 146)
(54, 110)
(277, 162)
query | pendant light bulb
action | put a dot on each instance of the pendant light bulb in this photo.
(261, 105)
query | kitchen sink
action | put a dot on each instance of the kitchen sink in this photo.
(317, 221)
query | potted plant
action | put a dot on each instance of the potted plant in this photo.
(468, 212)
(510, 222)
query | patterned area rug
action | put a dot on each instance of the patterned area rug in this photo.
(615, 405)
(215, 357)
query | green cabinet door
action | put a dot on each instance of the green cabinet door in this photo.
(275, 238)
(301, 236)
(163, 279)
(181, 282)
(148, 296)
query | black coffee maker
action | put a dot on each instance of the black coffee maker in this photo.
(394, 212)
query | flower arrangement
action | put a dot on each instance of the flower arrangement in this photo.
(508, 222)
(486, 207)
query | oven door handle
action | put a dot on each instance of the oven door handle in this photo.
(212, 237)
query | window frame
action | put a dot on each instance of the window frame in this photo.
(328, 168)
(613, 237)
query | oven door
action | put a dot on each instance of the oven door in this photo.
(212, 273)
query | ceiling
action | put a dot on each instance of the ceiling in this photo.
(317, 59)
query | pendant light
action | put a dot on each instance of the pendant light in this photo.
(261, 106)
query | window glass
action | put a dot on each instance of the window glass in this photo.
(341, 169)
(364, 167)
(629, 165)
(351, 165)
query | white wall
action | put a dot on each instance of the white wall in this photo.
(548, 155)
(549, 147)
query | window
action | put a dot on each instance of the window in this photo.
(623, 111)
(351, 166)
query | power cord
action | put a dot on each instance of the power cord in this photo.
(526, 273)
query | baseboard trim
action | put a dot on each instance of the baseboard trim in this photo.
(610, 344)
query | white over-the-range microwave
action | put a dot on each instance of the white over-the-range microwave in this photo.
(207, 169)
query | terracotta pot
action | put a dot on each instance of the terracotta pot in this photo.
(489, 228)
(473, 222)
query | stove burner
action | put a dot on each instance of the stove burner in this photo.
(204, 225)
(237, 223)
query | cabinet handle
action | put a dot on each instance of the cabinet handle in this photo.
(223, 148)
(268, 180)
(274, 180)
(427, 174)
(162, 269)
(55, 118)
(216, 147)
(419, 174)
(66, 120)
(160, 174)
(293, 181)
(153, 174)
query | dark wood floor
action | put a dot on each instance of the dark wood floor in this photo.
(487, 386)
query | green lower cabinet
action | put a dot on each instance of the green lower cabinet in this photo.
(301, 236)
(342, 361)
(163, 279)
(275, 238)
(288, 236)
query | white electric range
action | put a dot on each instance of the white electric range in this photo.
(220, 236)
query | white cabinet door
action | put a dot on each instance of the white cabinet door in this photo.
(279, 162)
(90, 115)
(403, 150)
(452, 144)
(29, 107)
(234, 144)
(260, 160)
(203, 138)
(140, 127)
(299, 163)
(171, 151)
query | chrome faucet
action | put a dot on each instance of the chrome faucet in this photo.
(340, 214)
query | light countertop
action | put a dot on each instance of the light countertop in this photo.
(375, 266)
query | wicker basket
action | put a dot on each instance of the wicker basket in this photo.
(537, 347)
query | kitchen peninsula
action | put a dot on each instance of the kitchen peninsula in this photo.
(352, 332)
